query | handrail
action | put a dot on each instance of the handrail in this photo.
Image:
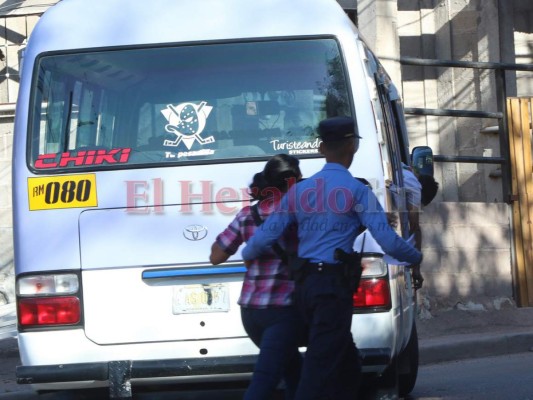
(469, 159)
(426, 62)
(452, 113)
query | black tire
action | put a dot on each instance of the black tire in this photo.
(387, 384)
(389, 378)
(408, 362)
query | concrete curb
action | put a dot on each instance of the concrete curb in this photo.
(474, 345)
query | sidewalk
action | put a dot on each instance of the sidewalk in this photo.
(465, 331)
(471, 331)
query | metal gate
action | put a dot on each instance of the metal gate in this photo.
(519, 120)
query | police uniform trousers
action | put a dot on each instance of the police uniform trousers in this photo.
(332, 364)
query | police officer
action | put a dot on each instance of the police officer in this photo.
(329, 208)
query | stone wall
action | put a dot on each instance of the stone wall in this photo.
(523, 36)
(14, 31)
(524, 54)
(467, 255)
(467, 242)
(461, 30)
(6, 224)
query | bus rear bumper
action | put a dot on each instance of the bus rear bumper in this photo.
(120, 374)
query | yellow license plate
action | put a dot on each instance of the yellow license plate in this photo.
(66, 191)
(189, 299)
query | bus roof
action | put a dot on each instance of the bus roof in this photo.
(78, 24)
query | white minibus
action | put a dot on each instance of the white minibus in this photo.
(139, 126)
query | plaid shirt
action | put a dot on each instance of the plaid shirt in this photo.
(266, 282)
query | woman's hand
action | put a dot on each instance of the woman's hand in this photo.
(217, 255)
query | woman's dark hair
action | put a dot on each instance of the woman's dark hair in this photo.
(277, 174)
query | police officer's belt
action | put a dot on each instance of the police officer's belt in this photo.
(323, 267)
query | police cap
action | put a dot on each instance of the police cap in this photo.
(336, 129)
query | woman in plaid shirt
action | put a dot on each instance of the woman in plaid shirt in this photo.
(267, 310)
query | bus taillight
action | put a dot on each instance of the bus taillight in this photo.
(372, 293)
(39, 311)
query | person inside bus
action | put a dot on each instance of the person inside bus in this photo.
(420, 190)
(268, 315)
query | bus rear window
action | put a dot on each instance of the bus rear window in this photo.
(174, 105)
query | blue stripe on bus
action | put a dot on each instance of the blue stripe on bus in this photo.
(177, 272)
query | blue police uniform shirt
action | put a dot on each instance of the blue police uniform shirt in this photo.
(329, 208)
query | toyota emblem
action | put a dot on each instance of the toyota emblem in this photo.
(195, 232)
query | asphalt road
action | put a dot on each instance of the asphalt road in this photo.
(489, 378)
(508, 377)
